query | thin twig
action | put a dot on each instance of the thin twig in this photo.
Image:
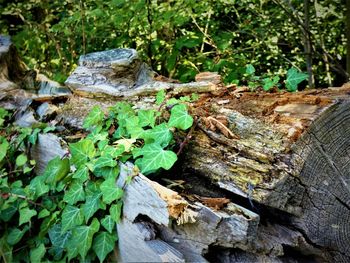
(188, 137)
(82, 25)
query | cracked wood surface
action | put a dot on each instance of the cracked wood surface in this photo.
(293, 154)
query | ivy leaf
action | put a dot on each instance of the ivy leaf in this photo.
(36, 254)
(180, 118)
(75, 193)
(110, 191)
(82, 174)
(38, 187)
(294, 78)
(3, 148)
(25, 214)
(270, 83)
(95, 117)
(71, 217)
(146, 118)
(21, 159)
(108, 223)
(16, 235)
(43, 213)
(113, 152)
(116, 211)
(7, 213)
(82, 151)
(82, 237)
(154, 157)
(126, 143)
(56, 170)
(6, 250)
(107, 172)
(92, 204)
(160, 134)
(249, 69)
(59, 239)
(104, 162)
(103, 245)
(160, 97)
(34, 136)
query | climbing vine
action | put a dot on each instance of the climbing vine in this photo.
(71, 210)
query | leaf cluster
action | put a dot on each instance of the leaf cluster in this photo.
(293, 79)
(71, 210)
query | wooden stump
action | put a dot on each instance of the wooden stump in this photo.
(289, 152)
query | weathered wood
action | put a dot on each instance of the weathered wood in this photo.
(290, 152)
(149, 208)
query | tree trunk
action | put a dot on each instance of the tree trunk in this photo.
(347, 20)
(289, 152)
(307, 42)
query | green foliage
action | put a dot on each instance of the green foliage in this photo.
(220, 35)
(70, 211)
(294, 78)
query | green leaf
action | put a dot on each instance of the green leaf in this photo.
(180, 118)
(108, 223)
(71, 217)
(75, 193)
(154, 157)
(3, 149)
(82, 151)
(21, 159)
(92, 204)
(95, 117)
(110, 191)
(104, 162)
(107, 172)
(82, 174)
(6, 250)
(116, 211)
(34, 136)
(82, 237)
(160, 97)
(36, 254)
(25, 214)
(113, 152)
(43, 213)
(38, 187)
(294, 78)
(270, 83)
(146, 118)
(7, 213)
(160, 134)
(103, 245)
(249, 69)
(16, 235)
(58, 238)
(56, 170)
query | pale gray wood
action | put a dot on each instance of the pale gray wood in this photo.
(48, 146)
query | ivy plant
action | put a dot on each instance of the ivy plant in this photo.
(70, 211)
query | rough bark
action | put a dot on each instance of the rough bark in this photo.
(289, 152)
(266, 174)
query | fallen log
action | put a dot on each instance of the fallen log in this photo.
(284, 151)
(271, 170)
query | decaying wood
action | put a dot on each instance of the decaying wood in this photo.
(150, 208)
(272, 169)
(292, 154)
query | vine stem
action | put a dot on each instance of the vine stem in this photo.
(25, 198)
(188, 136)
